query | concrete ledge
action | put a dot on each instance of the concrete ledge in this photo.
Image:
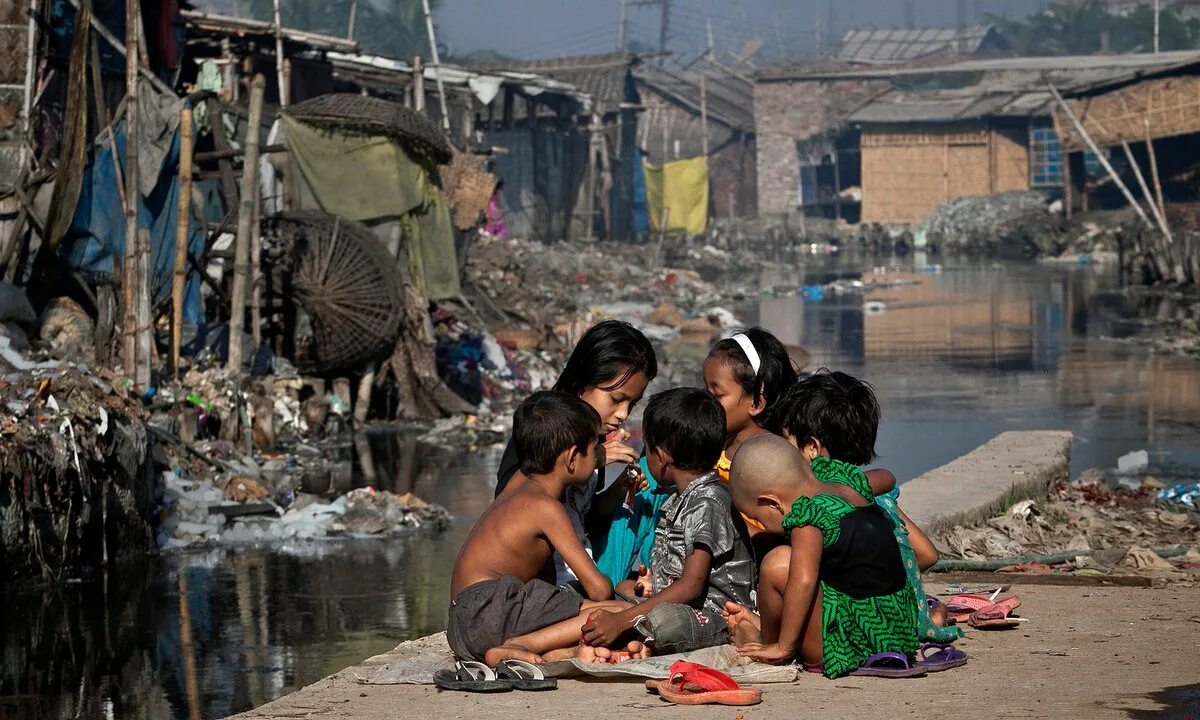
(1012, 466)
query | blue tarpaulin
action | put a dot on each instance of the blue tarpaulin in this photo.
(96, 238)
(641, 206)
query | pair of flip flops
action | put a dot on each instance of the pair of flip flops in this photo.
(470, 676)
(695, 684)
(931, 658)
(984, 612)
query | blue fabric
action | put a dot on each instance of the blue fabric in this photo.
(641, 206)
(630, 536)
(96, 238)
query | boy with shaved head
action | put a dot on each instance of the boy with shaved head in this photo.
(836, 595)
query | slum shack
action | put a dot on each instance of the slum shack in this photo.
(191, 300)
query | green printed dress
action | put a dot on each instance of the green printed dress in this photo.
(867, 606)
(836, 471)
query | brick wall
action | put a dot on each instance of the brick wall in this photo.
(787, 111)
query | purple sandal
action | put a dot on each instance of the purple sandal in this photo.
(889, 665)
(935, 657)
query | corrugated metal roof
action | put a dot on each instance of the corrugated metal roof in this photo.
(892, 46)
(1130, 62)
(730, 98)
(603, 77)
(1014, 87)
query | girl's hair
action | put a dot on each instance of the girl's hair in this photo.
(775, 375)
(839, 410)
(608, 354)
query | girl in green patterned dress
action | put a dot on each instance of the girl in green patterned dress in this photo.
(833, 419)
(845, 597)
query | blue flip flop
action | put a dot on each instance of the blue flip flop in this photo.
(936, 657)
(889, 665)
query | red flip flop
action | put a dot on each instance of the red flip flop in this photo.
(695, 684)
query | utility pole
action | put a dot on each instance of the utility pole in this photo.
(663, 28)
(437, 65)
(1157, 12)
(910, 13)
(708, 54)
(831, 22)
(353, 17)
(622, 26)
(962, 14)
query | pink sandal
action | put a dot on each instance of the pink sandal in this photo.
(981, 612)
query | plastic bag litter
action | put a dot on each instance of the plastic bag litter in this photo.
(1132, 462)
(1186, 495)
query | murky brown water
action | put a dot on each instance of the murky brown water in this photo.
(963, 355)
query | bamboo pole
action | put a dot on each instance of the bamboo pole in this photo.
(182, 226)
(27, 101)
(241, 257)
(256, 281)
(1099, 155)
(129, 280)
(143, 338)
(1137, 171)
(279, 73)
(437, 64)
(1154, 165)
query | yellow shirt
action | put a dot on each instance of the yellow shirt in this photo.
(722, 468)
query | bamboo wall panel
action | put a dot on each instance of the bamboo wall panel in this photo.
(1171, 105)
(1010, 159)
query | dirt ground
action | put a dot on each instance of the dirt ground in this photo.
(1085, 652)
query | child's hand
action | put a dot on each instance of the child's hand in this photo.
(604, 628)
(615, 449)
(642, 587)
(773, 654)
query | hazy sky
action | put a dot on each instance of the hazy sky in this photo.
(547, 28)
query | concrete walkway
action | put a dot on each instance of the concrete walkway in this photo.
(1095, 652)
(1086, 652)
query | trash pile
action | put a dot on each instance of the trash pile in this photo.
(1089, 526)
(74, 462)
(533, 301)
(1007, 223)
(241, 510)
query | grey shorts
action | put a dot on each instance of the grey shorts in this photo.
(487, 613)
(673, 628)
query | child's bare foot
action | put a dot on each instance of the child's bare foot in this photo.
(736, 614)
(588, 654)
(637, 650)
(938, 615)
(744, 633)
(561, 654)
(510, 652)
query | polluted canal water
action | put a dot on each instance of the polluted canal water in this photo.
(957, 354)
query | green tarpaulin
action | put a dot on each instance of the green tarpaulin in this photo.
(369, 178)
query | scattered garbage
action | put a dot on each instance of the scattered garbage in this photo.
(1132, 462)
(1185, 495)
(1087, 527)
(1001, 221)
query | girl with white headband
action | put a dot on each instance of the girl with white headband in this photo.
(747, 373)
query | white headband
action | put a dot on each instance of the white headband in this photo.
(748, 348)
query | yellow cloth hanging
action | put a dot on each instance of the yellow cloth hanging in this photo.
(681, 186)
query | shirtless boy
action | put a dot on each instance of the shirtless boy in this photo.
(501, 607)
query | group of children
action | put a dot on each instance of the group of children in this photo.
(746, 520)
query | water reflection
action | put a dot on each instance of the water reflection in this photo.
(960, 355)
(956, 357)
(208, 634)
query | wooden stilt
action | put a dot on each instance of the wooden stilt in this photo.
(241, 260)
(182, 228)
(129, 276)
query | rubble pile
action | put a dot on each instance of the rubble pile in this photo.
(1088, 527)
(1007, 222)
